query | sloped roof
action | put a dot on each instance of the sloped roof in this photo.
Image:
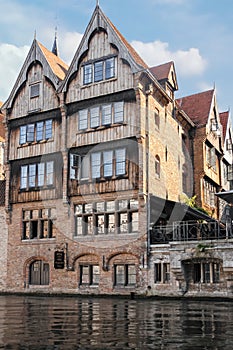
(162, 71)
(58, 67)
(224, 121)
(2, 128)
(197, 106)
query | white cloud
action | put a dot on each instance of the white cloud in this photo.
(11, 59)
(69, 44)
(188, 63)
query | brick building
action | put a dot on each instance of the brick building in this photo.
(99, 156)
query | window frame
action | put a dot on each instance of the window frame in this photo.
(31, 179)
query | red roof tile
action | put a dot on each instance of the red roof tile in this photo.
(162, 71)
(224, 116)
(197, 106)
(57, 65)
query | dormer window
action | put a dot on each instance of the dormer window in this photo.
(99, 70)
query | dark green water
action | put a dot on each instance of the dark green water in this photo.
(37, 323)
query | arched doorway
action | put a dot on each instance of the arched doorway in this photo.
(39, 273)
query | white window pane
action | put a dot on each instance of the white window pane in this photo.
(108, 162)
(85, 275)
(85, 165)
(30, 132)
(49, 173)
(118, 112)
(82, 119)
(123, 223)
(110, 68)
(131, 274)
(98, 71)
(95, 274)
(79, 226)
(87, 74)
(32, 175)
(48, 129)
(120, 161)
(120, 274)
(107, 114)
(23, 178)
(23, 134)
(95, 164)
(39, 131)
(95, 117)
(41, 168)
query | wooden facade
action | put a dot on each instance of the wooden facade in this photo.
(87, 147)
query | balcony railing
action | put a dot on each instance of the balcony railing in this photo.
(190, 231)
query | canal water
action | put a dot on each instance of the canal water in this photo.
(37, 323)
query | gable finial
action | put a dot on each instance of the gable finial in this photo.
(35, 34)
(97, 3)
(55, 46)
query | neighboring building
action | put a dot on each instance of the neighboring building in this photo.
(100, 156)
(2, 144)
(207, 148)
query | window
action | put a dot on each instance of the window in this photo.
(112, 113)
(113, 217)
(34, 90)
(89, 275)
(37, 175)
(30, 132)
(95, 117)
(98, 164)
(229, 144)
(82, 121)
(87, 75)
(157, 166)
(118, 110)
(120, 155)
(99, 71)
(230, 172)
(162, 272)
(211, 157)
(156, 118)
(39, 131)
(48, 129)
(106, 114)
(110, 68)
(23, 135)
(37, 224)
(108, 163)
(39, 273)
(204, 272)
(209, 193)
(125, 275)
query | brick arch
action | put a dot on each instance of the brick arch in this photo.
(121, 254)
(86, 257)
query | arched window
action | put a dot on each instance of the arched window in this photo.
(157, 166)
(39, 273)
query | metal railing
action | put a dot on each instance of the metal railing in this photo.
(190, 231)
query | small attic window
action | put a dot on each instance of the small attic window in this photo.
(34, 90)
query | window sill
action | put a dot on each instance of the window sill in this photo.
(36, 189)
(95, 83)
(101, 127)
(27, 144)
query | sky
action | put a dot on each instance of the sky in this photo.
(196, 34)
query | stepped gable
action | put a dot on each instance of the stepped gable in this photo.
(197, 106)
(224, 116)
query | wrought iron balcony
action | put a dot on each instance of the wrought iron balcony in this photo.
(190, 231)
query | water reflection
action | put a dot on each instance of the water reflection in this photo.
(87, 323)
